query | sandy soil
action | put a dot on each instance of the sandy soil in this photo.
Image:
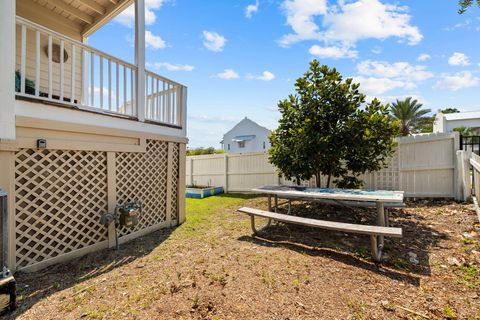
(212, 268)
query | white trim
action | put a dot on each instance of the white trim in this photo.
(7, 79)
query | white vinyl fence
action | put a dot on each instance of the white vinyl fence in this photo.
(422, 166)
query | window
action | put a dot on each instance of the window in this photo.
(263, 144)
(229, 147)
(241, 144)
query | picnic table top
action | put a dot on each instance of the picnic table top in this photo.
(332, 193)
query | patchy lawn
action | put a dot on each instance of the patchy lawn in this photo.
(212, 268)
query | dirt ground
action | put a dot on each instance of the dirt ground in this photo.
(212, 268)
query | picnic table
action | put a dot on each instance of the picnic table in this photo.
(335, 196)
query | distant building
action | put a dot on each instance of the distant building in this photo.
(448, 122)
(246, 136)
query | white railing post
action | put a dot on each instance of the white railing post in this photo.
(7, 79)
(140, 57)
(183, 110)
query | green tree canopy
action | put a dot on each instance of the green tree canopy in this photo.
(464, 131)
(201, 151)
(410, 115)
(327, 130)
(465, 4)
(449, 110)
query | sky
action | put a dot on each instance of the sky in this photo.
(238, 58)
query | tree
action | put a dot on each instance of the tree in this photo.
(410, 115)
(201, 151)
(465, 4)
(326, 130)
(464, 131)
(449, 110)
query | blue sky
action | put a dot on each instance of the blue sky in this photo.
(240, 57)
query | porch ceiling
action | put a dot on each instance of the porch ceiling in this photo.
(82, 17)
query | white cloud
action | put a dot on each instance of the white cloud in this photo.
(459, 25)
(345, 24)
(154, 42)
(127, 17)
(332, 52)
(251, 9)
(424, 57)
(300, 17)
(213, 41)
(375, 86)
(171, 67)
(458, 59)
(390, 99)
(228, 74)
(378, 77)
(265, 76)
(397, 70)
(457, 81)
(365, 19)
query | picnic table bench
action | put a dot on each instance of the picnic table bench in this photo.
(343, 197)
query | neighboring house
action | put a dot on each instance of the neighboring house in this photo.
(246, 136)
(448, 122)
(82, 131)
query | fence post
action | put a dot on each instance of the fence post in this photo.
(463, 184)
(225, 174)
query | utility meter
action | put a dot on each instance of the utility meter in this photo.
(129, 214)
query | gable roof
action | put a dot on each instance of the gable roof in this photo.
(241, 122)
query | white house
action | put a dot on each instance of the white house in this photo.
(448, 122)
(246, 136)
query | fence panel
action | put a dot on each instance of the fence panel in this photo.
(422, 166)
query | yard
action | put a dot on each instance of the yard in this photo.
(211, 268)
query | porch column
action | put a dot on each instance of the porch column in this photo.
(140, 57)
(7, 76)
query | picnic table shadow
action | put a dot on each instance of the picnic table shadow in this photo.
(354, 249)
(37, 286)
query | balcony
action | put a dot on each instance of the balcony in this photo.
(54, 69)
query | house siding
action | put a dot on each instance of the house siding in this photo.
(245, 128)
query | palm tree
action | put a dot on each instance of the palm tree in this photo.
(410, 114)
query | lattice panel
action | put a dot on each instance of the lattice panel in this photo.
(143, 177)
(60, 196)
(175, 178)
(385, 179)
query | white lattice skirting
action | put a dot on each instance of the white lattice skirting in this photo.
(61, 195)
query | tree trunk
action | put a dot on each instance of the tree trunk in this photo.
(318, 176)
(328, 180)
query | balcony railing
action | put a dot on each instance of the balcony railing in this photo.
(54, 68)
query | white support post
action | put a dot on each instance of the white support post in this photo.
(7, 79)
(140, 57)
(183, 111)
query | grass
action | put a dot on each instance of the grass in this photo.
(470, 275)
(204, 214)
